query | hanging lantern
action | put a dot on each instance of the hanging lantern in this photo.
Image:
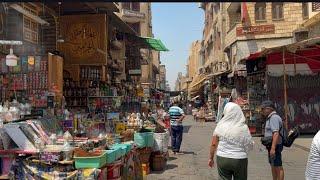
(11, 59)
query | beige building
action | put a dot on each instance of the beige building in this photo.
(139, 17)
(311, 26)
(163, 78)
(266, 24)
(214, 33)
(194, 59)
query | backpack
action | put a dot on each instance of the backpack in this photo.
(289, 137)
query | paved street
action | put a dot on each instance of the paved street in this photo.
(192, 165)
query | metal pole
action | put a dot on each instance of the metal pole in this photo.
(285, 88)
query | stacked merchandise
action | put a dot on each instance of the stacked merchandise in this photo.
(256, 94)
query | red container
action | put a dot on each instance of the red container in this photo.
(114, 170)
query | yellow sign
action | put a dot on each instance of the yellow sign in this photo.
(120, 127)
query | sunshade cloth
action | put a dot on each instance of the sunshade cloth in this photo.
(155, 44)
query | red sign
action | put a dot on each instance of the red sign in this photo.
(255, 30)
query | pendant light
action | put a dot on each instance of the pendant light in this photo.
(11, 59)
(60, 38)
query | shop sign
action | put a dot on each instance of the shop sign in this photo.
(256, 30)
(135, 72)
(83, 37)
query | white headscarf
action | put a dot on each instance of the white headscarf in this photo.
(233, 128)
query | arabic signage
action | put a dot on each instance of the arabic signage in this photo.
(84, 35)
(256, 30)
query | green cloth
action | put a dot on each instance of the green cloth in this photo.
(155, 44)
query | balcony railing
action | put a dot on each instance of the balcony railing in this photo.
(131, 13)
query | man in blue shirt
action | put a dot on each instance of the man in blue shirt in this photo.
(273, 128)
(176, 117)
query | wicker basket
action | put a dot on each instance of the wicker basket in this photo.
(159, 162)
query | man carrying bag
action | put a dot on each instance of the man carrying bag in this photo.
(272, 139)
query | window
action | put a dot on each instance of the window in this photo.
(260, 11)
(277, 11)
(305, 10)
(315, 6)
(30, 27)
(131, 6)
(126, 5)
(135, 6)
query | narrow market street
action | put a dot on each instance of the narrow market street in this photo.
(192, 165)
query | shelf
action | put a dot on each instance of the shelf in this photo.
(104, 96)
(76, 106)
(75, 96)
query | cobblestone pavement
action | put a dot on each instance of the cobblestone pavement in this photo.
(192, 165)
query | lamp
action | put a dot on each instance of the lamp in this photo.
(11, 59)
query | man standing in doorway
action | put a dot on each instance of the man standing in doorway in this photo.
(176, 118)
(273, 128)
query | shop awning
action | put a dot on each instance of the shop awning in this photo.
(218, 73)
(155, 44)
(304, 61)
(198, 80)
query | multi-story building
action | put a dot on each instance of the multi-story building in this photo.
(162, 77)
(138, 16)
(194, 59)
(178, 84)
(252, 26)
(311, 26)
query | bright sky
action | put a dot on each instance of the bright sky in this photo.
(177, 25)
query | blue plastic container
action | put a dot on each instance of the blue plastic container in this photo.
(144, 139)
(111, 156)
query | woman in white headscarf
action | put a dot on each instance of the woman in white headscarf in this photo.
(232, 141)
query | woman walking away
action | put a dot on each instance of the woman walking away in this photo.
(232, 141)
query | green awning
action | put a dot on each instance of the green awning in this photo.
(155, 44)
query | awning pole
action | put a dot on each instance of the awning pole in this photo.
(295, 66)
(285, 88)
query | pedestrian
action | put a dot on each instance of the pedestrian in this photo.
(313, 165)
(176, 118)
(273, 131)
(232, 141)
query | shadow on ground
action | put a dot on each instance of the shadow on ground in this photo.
(188, 152)
(168, 167)
(186, 129)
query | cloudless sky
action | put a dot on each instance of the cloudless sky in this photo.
(177, 25)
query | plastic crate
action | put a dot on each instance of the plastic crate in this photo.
(91, 162)
(120, 151)
(111, 156)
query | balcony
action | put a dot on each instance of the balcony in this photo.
(132, 16)
(231, 36)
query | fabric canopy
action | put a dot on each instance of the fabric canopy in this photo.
(155, 44)
(309, 57)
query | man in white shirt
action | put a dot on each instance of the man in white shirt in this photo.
(313, 165)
